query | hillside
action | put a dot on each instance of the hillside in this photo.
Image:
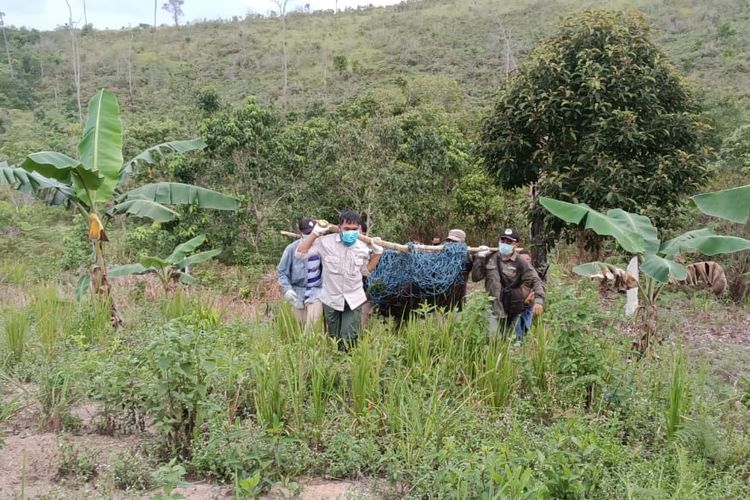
(332, 58)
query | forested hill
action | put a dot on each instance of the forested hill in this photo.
(156, 75)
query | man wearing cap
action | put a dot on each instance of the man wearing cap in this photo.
(510, 280)
(301, 280)
(345, 260)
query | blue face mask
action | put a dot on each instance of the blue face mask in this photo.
(506, 249)
(349, 237)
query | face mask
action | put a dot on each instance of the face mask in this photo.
(506, 249)
(349, 237)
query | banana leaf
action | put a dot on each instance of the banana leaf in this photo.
(127, 270)
(661, 269)
(674, 246)
(64, 169)
(623, 226)
(184, 249)
(154, 262)
(158, 152)
(188, 280)
(146, 209)
(731, 204)
(175, 193)
(717, 244)
(51, 191)
(200, 257)
(101, 144)
(84, 282)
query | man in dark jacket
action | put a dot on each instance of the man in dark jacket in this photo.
(509, 280)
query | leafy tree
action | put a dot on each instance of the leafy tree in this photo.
(242, 143)
(174, 7)
(598, 115)
(92, 183)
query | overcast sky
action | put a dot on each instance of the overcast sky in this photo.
(47, 14)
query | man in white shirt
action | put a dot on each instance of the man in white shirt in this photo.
(345, 259)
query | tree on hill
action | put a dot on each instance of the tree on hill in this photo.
(598, 115)
(174, 7)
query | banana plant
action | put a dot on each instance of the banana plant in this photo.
(638, 236)
(170, 269)
(93, 182)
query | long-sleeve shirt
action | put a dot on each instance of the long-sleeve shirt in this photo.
(516, 272)
(343, 268)
(293, 275)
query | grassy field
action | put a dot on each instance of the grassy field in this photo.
(212, 391)
(193, 397)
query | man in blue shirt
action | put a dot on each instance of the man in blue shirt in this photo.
(301, 280)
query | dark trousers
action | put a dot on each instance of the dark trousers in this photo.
(343, 325)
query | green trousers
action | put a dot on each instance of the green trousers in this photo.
(343, 325)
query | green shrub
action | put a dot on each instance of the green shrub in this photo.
(76, 464)
(132, 471)
(57, 394)
(177, 365)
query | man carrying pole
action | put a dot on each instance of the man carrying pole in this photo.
(345, 259)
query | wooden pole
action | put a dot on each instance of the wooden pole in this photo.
(390, 245)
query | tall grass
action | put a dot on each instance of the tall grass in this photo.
(52, 318)
(13, 272)
(296, 375)
(421, 416)
(269, 399)
(419, 338)
(285, 324)
(365, 375)
(96, 319)
(500, 372)
(175, 306)
(16, 330)
(321, 385)
(539, 355)
(678, 398)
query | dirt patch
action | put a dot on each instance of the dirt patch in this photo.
(324, 489)
(29, 463)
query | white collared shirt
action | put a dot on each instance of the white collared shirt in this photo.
(343, 268)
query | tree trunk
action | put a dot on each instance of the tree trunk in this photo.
(7, 49)
(285, 61)
(76, 61)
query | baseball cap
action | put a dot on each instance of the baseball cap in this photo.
(456, 235)
(306, 225)
(509, 234)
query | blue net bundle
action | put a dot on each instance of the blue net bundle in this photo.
(403, 280)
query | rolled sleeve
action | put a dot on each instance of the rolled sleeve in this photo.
(314, 250)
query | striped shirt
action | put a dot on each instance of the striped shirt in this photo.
(314, 279)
